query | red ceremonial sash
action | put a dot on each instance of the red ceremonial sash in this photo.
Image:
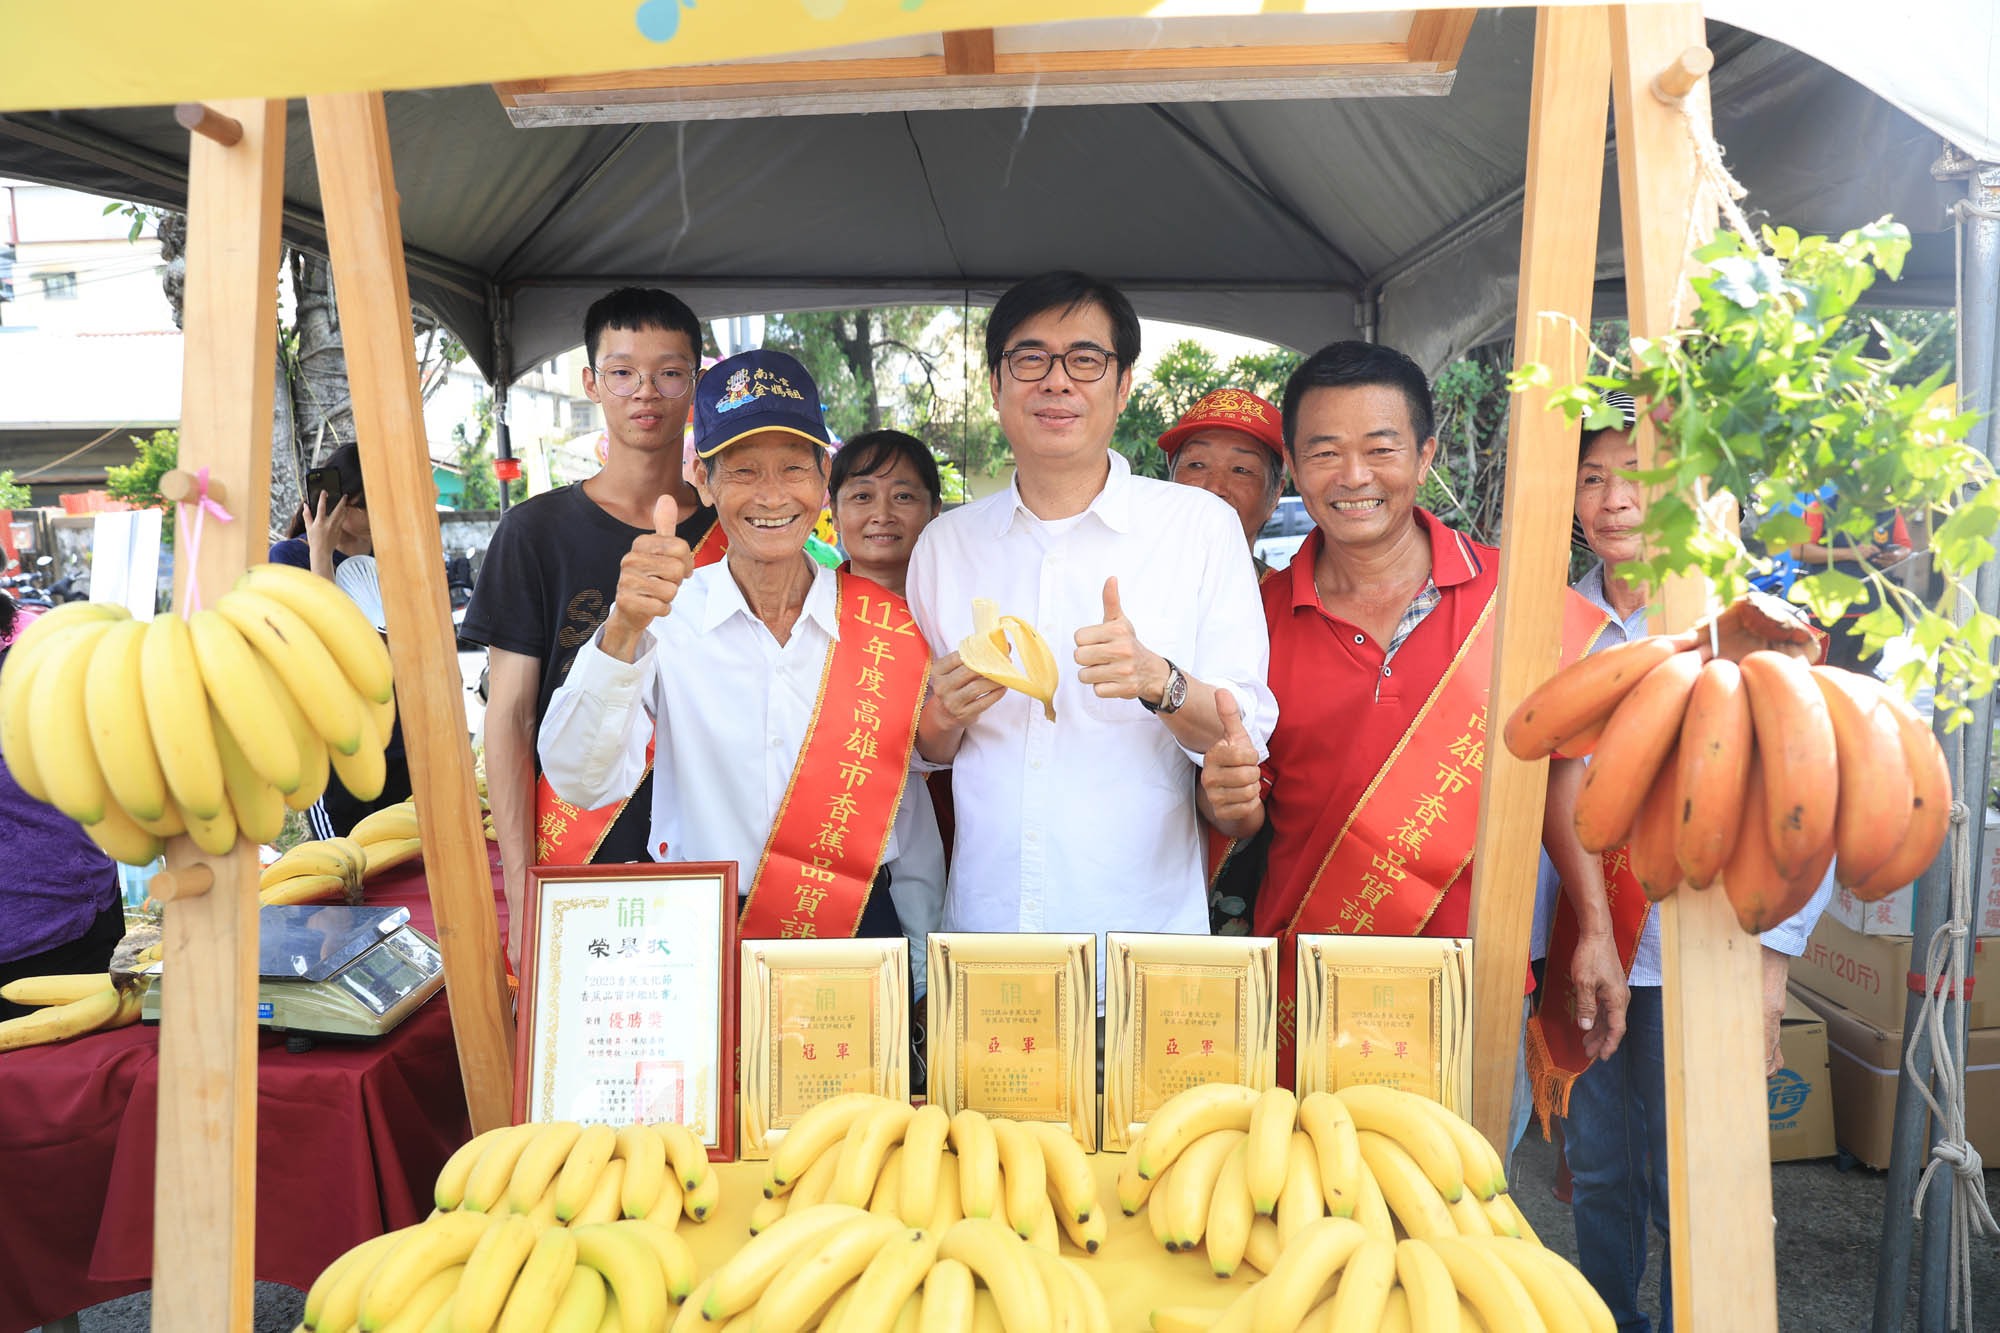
(1391, 858)
(567, 834)
(1556, 1056)
(833, 825)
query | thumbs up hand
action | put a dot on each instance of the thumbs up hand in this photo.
(1115, 664)
(1230, 778)
(649, 578)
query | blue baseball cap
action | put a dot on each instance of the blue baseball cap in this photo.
(751, 392)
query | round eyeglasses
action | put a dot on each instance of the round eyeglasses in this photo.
(624, 381)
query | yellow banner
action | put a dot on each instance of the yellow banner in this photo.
(140, 52)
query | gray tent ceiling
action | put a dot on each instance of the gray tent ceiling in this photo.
(1272, 219)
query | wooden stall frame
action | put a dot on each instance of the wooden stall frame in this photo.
(365, 241)
(1565, 180)
(1723, 1268)
(205, 1179)
(1718, 1152)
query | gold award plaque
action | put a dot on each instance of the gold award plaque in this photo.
(1375, 1009)
(1179, 1011)
(1012, 1027)
(819, 1018)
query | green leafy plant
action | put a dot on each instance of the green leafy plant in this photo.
(13, 495)
(138, 482)
(1779, 393)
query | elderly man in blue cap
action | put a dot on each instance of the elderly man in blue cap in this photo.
(784, 696)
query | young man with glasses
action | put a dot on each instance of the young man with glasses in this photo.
(1144, 589)
(552, 570)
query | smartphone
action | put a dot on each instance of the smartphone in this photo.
(322, 481)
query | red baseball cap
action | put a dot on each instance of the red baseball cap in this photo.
(1229, 409)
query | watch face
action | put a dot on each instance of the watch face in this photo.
(1176, 690)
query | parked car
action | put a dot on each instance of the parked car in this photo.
(1280, 538)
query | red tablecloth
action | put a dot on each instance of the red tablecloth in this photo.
(350, 1137)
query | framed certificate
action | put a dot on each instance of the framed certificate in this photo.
(1013, 1028)
(819, 1018)
(1181, 1010)
(628, 997)
(1377, 1009)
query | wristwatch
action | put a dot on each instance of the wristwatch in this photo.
(1173, 696)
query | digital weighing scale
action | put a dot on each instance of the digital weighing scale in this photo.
(331, 970)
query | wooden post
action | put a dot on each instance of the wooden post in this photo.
(1572, 89)
(205, 1179)
(1718, 1157)
(364, 237)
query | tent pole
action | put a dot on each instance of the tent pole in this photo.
(1968, 755)
(1718, 1152)
(205, 1180)
(1565, 183)
(503, 380)
(364, 232)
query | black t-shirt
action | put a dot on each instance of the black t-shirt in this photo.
(547, 583)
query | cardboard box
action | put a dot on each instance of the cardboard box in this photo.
(1800, 1097)
(1893, 915)
(1870, 975)
(1863, 1067)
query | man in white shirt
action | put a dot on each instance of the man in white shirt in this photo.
(782, 696)
(1086, 822)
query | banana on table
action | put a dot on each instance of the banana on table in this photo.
(333, 868)
(70, 1006)
(212, 725)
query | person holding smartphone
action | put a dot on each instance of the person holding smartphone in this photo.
(332, 523)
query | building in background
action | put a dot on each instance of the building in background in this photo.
(90, 357)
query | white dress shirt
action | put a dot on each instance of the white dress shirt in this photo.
(1787, 937)
(1088, 823)
(730, 706)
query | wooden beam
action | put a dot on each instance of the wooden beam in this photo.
(1439, 35)
(1718, 1159)
(364, 238)
(205, 1173)
(969, 52)
(1565, 179)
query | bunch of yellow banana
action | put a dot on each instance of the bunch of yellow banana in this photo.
(928, 1169)
(323, 871)
(336, 867)
(71, 1006)
(845, 1270)
(1335, 1277)
(986, 650)
(561, 1173)
(210, 725)
(465, 1272)
(1263, 1177)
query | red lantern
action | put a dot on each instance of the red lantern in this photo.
(507, 469)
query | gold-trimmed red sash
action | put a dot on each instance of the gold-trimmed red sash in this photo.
(1398, 850)
(1556, 1057)
(827, 840)
(567, 834)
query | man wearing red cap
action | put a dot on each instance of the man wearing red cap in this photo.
(1231, 444)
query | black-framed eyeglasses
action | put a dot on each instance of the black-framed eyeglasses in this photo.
(1085, 365)
(624, 381)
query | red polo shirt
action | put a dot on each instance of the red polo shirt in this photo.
(1336, 728)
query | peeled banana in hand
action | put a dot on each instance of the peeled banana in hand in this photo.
(209, 725)
(987, 651)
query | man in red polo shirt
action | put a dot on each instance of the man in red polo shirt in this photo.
(1381, 653)
(1230, 444)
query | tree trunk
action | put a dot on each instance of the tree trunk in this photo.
(857, 345)
(322, 412)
